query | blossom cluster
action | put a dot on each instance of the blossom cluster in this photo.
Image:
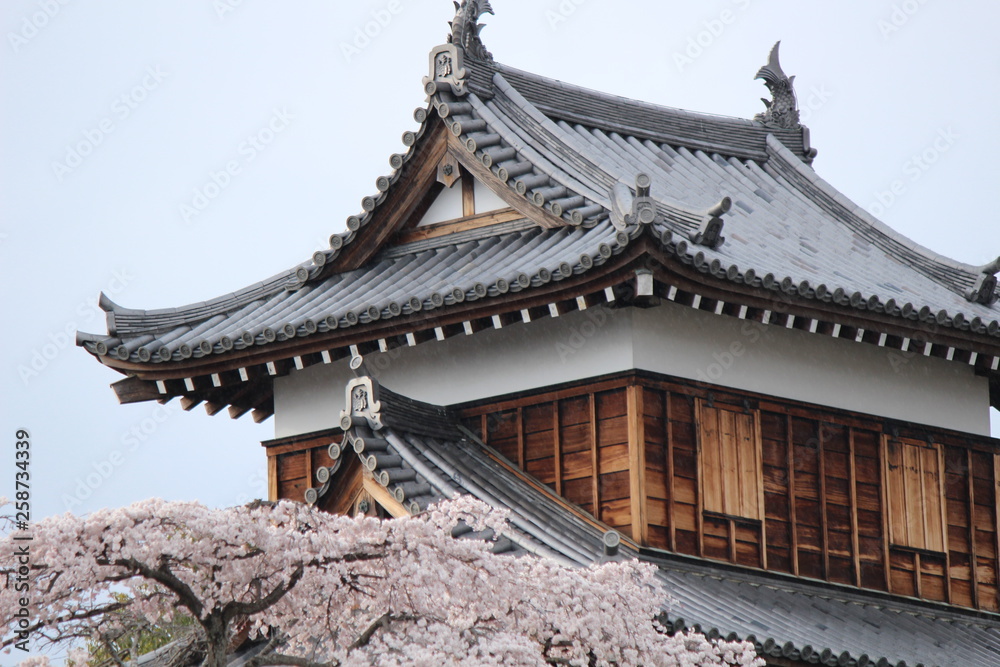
(337, 590)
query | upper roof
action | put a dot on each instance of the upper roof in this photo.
(421, 454)
(727, 213)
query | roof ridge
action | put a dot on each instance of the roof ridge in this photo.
(728, 135)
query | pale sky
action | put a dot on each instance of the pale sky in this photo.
(116, 113)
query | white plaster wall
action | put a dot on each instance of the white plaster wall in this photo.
(487, 200)
(447, 206)
(669, 339)
(466, 368)
(689, 343)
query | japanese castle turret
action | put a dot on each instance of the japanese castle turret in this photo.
(649, 333)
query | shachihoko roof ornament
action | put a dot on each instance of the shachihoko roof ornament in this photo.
(782, 109)
(465, 28)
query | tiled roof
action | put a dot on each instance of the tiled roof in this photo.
(559, 152)
(785, 616)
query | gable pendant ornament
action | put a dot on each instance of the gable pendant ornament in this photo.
(362, 400)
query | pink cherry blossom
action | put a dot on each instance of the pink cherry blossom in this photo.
(324, 589)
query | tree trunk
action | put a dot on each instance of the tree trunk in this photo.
(217, 638)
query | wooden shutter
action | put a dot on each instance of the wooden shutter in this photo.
(914, 488)
(730, 463)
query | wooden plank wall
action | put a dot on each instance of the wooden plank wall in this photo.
(563, 440)
(823, 484)
(292, 465)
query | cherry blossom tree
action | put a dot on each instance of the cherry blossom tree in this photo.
(317, 590)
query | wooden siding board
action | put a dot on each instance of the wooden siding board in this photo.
(828, 502)
(637, 463)
(855, 546)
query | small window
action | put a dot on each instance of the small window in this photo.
(914, 491)
(730, 462)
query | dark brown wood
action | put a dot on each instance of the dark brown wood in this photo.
(824, 507)
(823, 500)
(557, 454)
(540, 215)
(790, 444)
(669, 432)
(520, 438)
(420, 173)
(468, 194)
(855, 542)
(594, 462)
(134, 390)
(996, 523)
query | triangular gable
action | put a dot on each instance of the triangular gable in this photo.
(425, 183)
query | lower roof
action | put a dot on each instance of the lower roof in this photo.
(786, 617)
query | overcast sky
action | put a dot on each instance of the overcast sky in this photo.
(115, 114)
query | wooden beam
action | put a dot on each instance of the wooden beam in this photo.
(883, 466)
(668, 431)
(944, 524)
(540, 215)
(189, 403)
(272, 477)
(557, 447)
(402, 200)
(973, 570)
(759, 453)
(824, 529)
(134, 390)
(996, 503)
(463, 224)
(520, 438)
(699, 497)
(637, 463)
(790, 461)
(382, 496)
(594, 458)
(853, 497)
(468, 194)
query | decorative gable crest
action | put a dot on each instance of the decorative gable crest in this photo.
(362, 401)
(782, 110)
(446, 67)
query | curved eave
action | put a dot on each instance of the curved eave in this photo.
(683, 274)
